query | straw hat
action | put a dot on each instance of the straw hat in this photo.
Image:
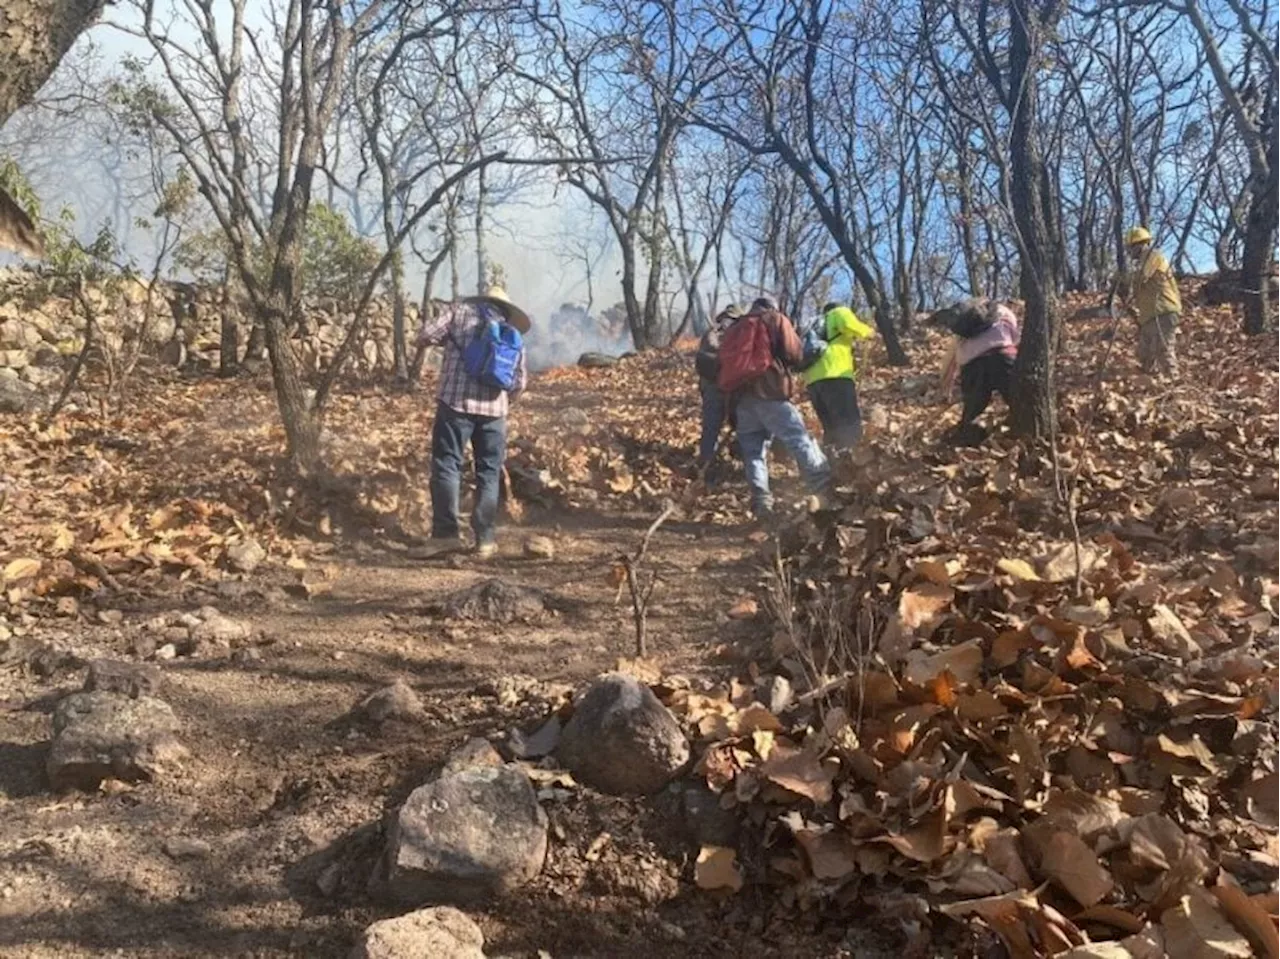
(497, 298)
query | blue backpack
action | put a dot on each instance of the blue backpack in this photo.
(813, 344)
(492, 355)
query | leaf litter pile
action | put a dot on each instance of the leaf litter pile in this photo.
(1039, 746)
(1001, 740)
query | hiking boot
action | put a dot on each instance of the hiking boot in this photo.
(486, 550)
(436, 548)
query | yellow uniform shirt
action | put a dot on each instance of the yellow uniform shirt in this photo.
(1153, 291)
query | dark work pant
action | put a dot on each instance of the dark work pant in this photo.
(989, 374)
(487, 436)
(713, 417)
(836, 403)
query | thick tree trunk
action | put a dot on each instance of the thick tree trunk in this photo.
(1260, 231)
(1032, 413)
(229, 332)
(1259, 249)
(36, 35)
(635, 312)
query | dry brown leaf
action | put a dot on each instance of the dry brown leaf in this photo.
(717, 868)
(963, 662)
(925, 842)
(1194, 750)
(1261, 796)
(1097, 950)
(799, 772)
(830, 854)
(1002, 851)
(1061, 565)
(17, 570)
(1019, 569)
(1111, 916)
(1067, 859)
(1250, 918)
(1008, 646)
(745, 608)
(979, 705)
(1196, 928)
(754, 718)
(922, 605)
(1005, 915)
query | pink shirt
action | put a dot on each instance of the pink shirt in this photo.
(1003, 335)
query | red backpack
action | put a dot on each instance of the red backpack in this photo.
(746, 353)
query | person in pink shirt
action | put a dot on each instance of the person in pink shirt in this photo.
(986, 346)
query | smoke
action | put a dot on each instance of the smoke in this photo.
(569, 331)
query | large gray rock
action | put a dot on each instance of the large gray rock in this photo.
(466, 836)
(16, 396)
(621, 740)
(126, 679)
(397, 702)
(441, 932)
(102, 735)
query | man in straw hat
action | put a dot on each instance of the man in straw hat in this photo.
(469, 411)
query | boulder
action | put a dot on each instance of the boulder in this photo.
(395, 702)
(466, 836)
(16, 396)
(440, 932)
(475, 753)
(126, 679)
(246, 555)
(621, 740)
(14, 359)
(596, 361)
(102, 735)
(214, 628)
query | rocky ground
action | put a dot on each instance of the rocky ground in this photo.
(301, 732)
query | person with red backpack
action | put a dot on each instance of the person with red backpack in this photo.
(757, 353)
(482, 373)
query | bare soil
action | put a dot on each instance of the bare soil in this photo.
(264, 845)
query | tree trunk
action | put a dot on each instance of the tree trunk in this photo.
(1256, 260)
(635, 313)
(37, 34)
(229, 338)
(301, 426)
(1032, 409)
(1259, 248)
(399, 338)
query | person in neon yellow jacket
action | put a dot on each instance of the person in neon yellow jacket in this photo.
(830, 380)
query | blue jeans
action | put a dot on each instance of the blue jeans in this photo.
(759, 423)
(487, 436)
(713, 417)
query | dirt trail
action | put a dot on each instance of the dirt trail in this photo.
(225, 859)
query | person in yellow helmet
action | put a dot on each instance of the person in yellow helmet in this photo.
(1151, 292)
(829, 380)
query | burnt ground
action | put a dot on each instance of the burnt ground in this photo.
(284, 797)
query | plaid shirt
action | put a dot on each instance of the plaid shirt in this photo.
(452, 328)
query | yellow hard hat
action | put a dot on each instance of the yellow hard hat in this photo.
(1139, 234)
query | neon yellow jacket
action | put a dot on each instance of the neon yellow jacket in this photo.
(1153, 291)
(843, 327)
